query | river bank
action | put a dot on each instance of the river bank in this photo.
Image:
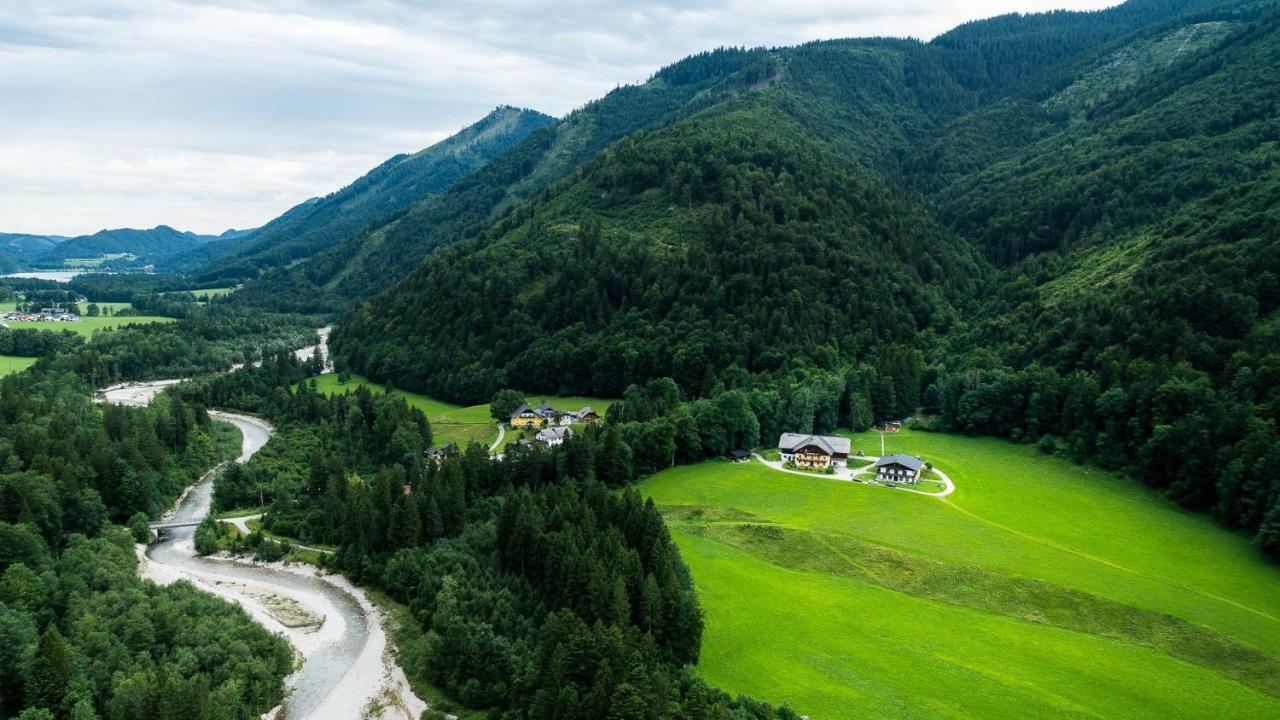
(347, 667)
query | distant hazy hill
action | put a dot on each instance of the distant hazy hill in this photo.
(387, 189)
(148, 245)
(17, 250)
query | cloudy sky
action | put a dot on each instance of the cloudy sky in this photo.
(213, 114)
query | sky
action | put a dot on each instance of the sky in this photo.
(215, 114)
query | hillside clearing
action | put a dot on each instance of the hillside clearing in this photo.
(1039, 588)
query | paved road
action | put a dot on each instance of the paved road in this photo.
(502, 431)
(242, 523)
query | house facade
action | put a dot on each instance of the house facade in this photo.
(817, 452)
(525, 416)
(553, 436)
(899, 468)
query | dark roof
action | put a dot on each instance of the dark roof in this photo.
(908, 461)
(738, 454)
(830, 444)
(524, 408)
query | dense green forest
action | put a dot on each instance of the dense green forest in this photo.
(83, 637)
(1059, 228)
(539, 590)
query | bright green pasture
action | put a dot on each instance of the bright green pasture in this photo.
(1039, 588)
(455, 423)
(12, 364)
(88, 325)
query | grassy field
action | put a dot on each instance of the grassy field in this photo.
(1038, 589)
(455, 423)
(11, 364)
(88, 325)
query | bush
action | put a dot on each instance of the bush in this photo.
(272, 551)
(1047, 444)
(139, 526)
(206, 538)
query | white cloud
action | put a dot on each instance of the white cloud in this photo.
(208, 115)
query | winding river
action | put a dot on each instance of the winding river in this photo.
(347, 667)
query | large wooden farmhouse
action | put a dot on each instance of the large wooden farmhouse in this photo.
(525, 416)
(813, 451)
(899, 469)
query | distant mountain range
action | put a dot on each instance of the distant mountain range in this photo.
(375, 198)
(140, 246)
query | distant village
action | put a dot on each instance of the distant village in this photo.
(49, 314)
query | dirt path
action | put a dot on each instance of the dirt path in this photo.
(852, 476)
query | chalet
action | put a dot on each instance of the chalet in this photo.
(525, 416)
(554, 436)
(588, 416)
(568, 418)
(899, 469)
(546, 411)
(813, 451)
(440, 453)
(737, 456)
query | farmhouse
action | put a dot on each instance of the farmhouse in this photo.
(813, 451)
(588, 416)
(899, 469)
(525, 416)
(554, 436)
(438, 454)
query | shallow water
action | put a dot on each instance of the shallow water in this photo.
(346, 624)
(54, 275)
(328, 663)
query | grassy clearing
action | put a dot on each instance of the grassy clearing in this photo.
(1037, 589)
(86, 326)
(10, 364)
(456, 423)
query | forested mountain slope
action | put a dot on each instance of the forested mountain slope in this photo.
(730, 239)
(397, 183)
(362, 265)
(18, 250)
(1070, 217)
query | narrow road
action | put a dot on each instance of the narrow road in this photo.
(502, 432)
(242, 524)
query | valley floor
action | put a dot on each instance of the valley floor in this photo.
(455, 423)
(1038, 589)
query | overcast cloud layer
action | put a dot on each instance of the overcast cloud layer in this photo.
(210, 115)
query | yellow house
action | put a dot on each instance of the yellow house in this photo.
(525, 416)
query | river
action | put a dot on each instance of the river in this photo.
(347, 667)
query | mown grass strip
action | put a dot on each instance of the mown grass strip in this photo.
(1019, 598)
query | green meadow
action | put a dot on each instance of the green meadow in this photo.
(12, 364)
(456, 423)
(1038, 589)
(86, 325)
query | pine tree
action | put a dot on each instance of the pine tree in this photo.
(50, 671)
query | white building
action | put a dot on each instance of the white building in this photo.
(554, 436)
